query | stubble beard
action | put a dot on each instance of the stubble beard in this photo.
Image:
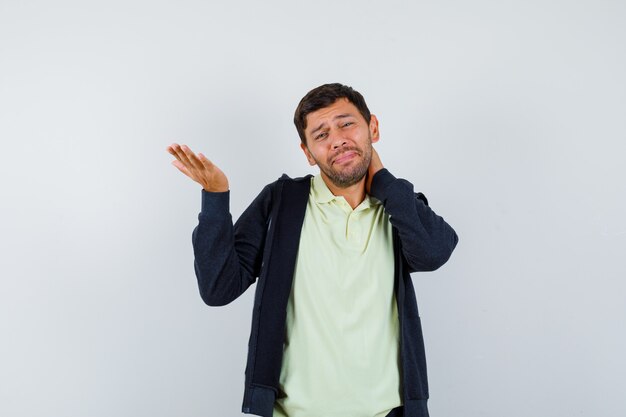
(350, 175)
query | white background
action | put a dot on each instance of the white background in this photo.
(508, 115)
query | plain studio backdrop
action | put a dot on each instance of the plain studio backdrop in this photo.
(508, 115)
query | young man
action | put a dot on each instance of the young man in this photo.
(335, 326)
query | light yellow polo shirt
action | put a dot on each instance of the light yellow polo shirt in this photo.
(341, 352)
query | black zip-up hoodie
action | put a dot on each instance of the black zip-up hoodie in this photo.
(264, 243)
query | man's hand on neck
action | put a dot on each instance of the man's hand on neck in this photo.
(375, 166)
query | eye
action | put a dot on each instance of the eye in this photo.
(320, 136)
(346, 124)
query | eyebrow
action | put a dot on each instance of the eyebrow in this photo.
(339, 116)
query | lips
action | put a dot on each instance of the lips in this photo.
(344, 157)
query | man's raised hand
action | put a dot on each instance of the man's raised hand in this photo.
(198, 168)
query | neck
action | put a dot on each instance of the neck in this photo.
(354, 194)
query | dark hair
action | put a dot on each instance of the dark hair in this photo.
(324, 96)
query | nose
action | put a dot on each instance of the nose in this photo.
(337, 139)
(339, 144)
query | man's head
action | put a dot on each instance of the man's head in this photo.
(337, 132)
(324, 96)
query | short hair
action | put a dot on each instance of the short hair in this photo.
(324, 96)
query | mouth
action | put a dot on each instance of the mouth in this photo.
(345, 157)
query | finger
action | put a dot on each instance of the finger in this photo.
(205, 161)
(182, 157)
(180, 151)
(191, 156)
(171, 149)
(174, 149)
(182, 169)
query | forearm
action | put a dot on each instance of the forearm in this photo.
(227, 256)
(427, 240)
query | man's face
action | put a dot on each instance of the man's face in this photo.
(339, 141)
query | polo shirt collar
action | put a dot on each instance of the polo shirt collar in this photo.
(322, 194)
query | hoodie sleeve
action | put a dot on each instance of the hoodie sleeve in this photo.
(227, 257)
(427, 240)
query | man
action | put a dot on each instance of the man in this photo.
(335, 326)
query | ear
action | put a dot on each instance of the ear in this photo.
(374, 132)
(308, 155)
